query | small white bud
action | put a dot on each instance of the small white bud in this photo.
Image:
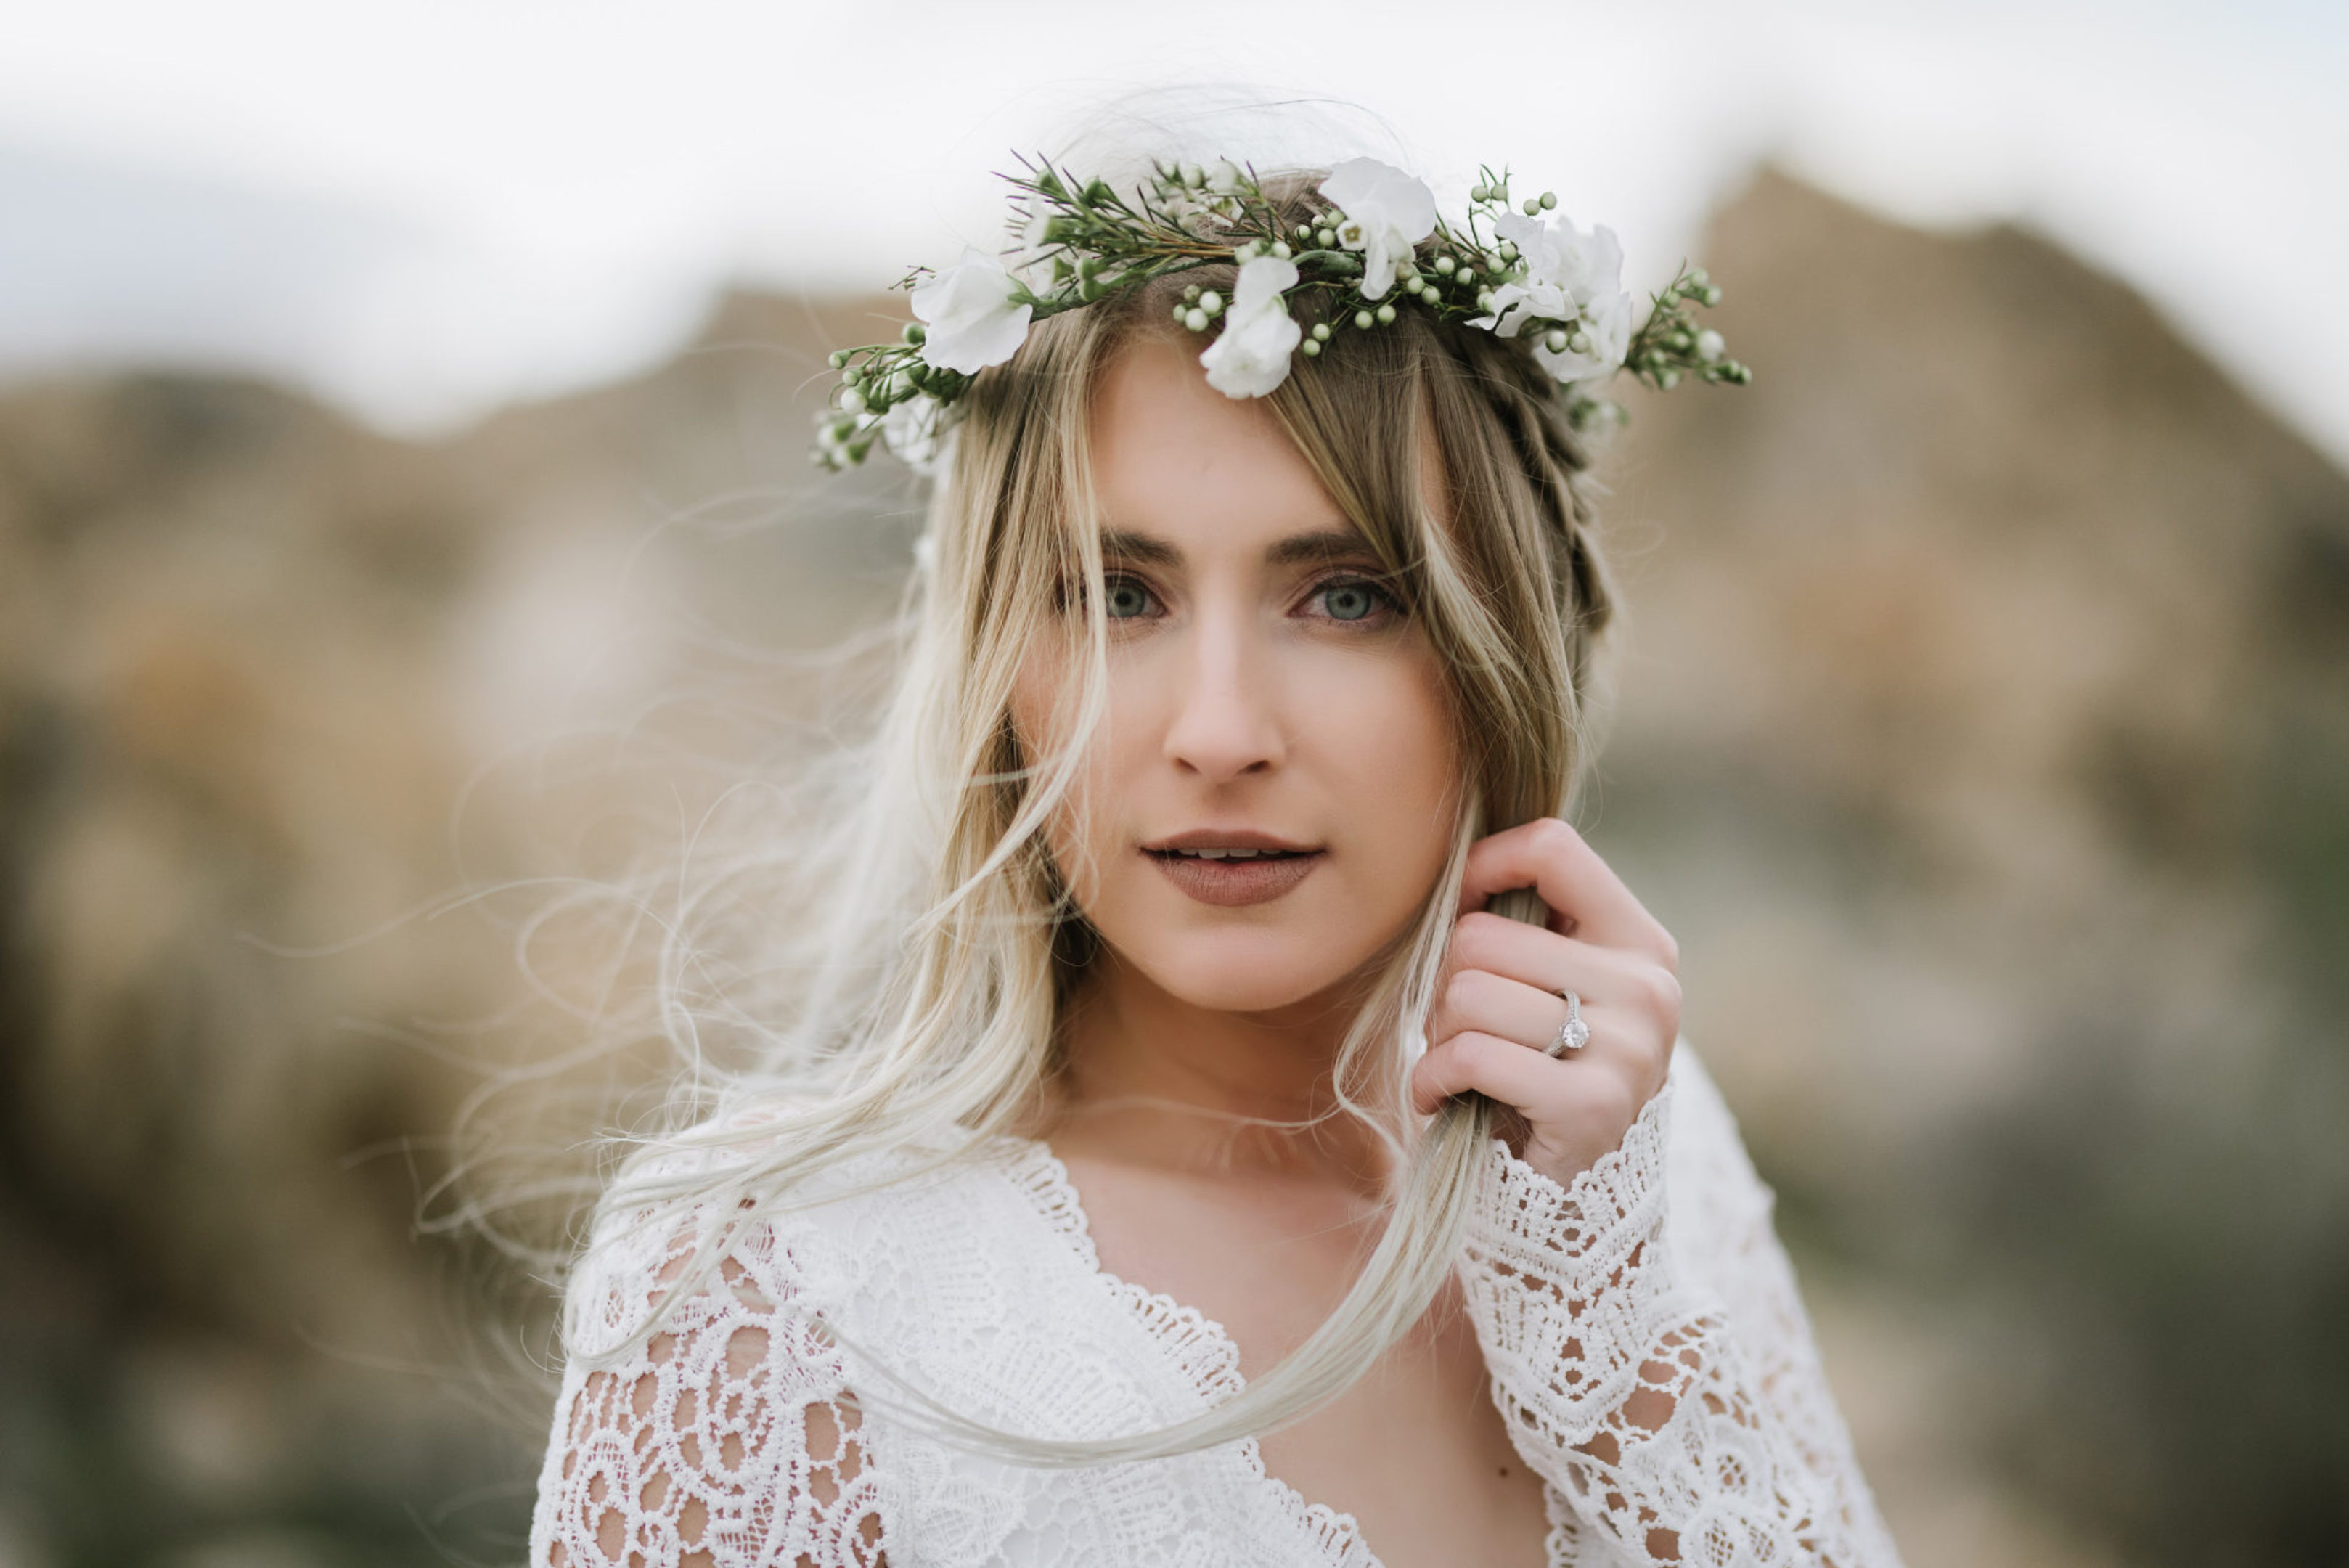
(1312, 348)
(1445, 264)
(1531, 205)
(1508, 252)
(1484, 300)
(1212, 303)
(1579, 342)
(1554, 340)
(1321, 331)
(1708, 346)
(852, 401)
(1386, 314)
(1363, 318)
(1479, 193)
(1280, 249)
(1195, 319)
(1548, 199)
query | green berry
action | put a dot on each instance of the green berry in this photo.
(1548, 199)
(915, 333)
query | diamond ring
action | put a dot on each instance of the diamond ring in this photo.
(1574, 1033)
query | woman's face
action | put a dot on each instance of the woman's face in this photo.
(1272, 793)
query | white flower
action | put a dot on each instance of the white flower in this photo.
(1387, 213)
(1607, 325)
(973, 317)
(1571, 276)
(1250, 357)
(911, 429)
(1224, 179)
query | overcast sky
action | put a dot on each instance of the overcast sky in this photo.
(421, 209)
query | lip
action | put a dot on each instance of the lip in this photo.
(1230, 838)
(1231, 883)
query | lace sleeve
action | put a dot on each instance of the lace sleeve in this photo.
(1683, 1419)
(726, 1440)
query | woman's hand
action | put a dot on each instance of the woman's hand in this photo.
(1499, 1007)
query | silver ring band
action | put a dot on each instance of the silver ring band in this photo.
(1574, 1033)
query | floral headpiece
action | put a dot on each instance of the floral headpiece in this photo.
(1078, 241)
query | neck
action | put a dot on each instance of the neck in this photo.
(1153, 1079)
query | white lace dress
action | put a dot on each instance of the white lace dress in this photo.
(726, 1441)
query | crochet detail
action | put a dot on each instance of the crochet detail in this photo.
(1650, 1356)
(1684, 1423)
(725, 1440)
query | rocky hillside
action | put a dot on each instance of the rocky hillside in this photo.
(1984, 736)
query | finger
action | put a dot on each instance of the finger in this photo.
(1551, 962)
(1541, 1088)
(1495, 1004)
(1488, 1064)
(1583, 892)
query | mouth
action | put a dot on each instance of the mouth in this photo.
(1233, 869)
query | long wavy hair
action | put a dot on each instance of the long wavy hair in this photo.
(902, 943)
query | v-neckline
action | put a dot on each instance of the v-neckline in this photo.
(1197, 1346)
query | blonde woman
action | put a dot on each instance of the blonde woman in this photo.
(1165, 1146)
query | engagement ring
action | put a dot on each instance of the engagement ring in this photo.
(1574, 1033)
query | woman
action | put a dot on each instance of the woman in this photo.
(1121, 1184)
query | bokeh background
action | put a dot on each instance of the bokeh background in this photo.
(404, 510)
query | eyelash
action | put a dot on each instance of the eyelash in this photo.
(1111, 581)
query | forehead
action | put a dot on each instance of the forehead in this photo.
(1176, 461)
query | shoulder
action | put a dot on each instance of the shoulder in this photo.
(706, 1220)
(1719, 1203)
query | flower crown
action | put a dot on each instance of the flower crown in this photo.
(1077, 241)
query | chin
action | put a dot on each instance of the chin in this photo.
(1244, 970)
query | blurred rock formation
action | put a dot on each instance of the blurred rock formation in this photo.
(1983, 735)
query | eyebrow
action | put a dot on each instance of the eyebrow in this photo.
(1326, 544)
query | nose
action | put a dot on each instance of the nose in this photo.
(1226, 725)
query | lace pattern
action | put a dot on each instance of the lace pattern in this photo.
(1656, 1367)
(1651, 1356)
(725, 1440)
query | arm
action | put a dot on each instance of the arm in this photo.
(1683, 1418)
(728, 1439)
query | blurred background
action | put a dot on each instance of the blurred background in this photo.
(403, 496)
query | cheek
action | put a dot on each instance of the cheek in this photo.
(1387, 732)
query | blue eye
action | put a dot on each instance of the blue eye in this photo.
(1123, 598)
(1351, 600)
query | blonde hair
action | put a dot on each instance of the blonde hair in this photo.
(921, 1009)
